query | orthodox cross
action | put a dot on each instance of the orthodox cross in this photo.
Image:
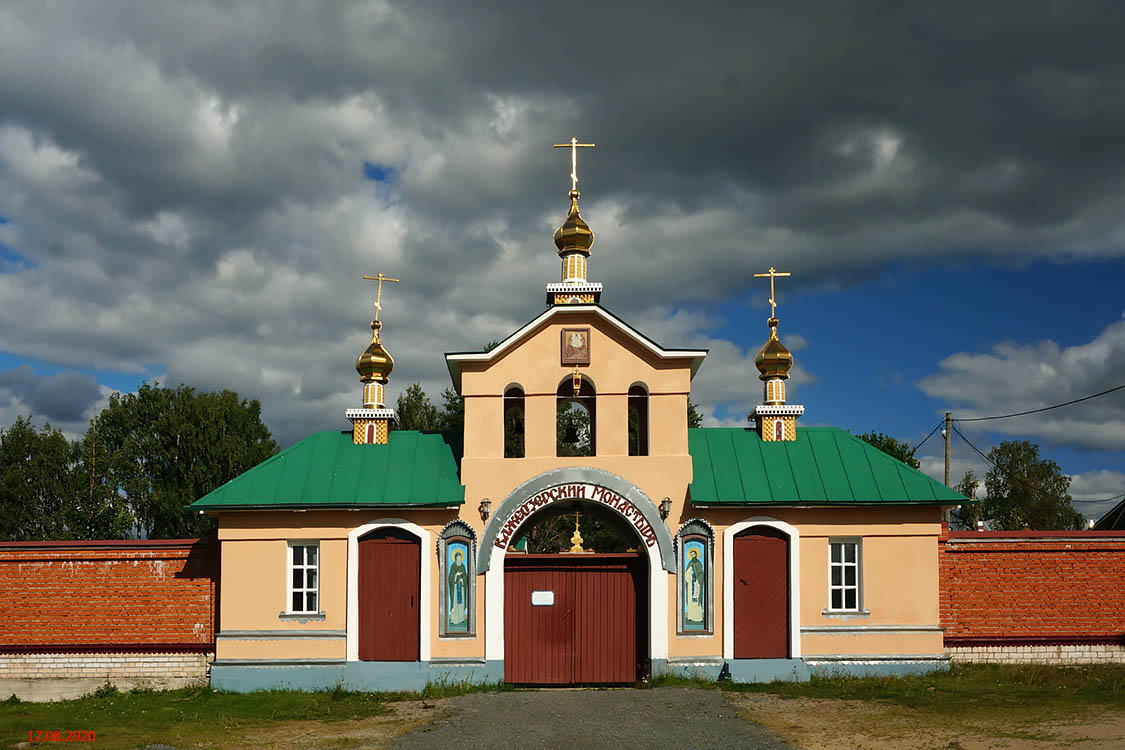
(772, 273)
(379, 294)
(574, 145)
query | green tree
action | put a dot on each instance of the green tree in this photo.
(1023, 489)
(965, 517)
(892, 447)
(694, 418)
(451, 418)
(415, 412)
(602, 530)
(163, 448)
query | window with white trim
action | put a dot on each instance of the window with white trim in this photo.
(844, 575)
(304, 578)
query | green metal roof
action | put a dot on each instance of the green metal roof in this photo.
(326, 470)
(823, 466)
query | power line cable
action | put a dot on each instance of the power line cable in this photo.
(936, 427)
(1028, 482)
(1036, 411)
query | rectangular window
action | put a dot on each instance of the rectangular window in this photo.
(304, 577)
(843, 576)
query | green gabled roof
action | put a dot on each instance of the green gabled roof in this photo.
(823, 466)
(326, 470)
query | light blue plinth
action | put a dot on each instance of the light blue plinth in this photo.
(373, 676)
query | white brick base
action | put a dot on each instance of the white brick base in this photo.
(1107, 653)
(57, 676)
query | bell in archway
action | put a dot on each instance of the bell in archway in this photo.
(570, 437)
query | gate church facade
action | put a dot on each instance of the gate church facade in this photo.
(386, 559)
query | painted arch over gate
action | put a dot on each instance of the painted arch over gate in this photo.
(620, 495)
(628, 500)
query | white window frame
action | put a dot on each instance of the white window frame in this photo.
(290, 567)
(843, 565)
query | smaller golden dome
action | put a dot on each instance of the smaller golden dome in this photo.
(773, 360)
(574, 235)
(376, 363)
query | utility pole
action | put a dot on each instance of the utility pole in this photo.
(948, 438)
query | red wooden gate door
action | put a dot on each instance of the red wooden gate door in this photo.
(761, 594)
(389, 577)
(573, 619)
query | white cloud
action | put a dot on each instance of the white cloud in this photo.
(1016, 377)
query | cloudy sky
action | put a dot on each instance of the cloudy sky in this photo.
(190, 192)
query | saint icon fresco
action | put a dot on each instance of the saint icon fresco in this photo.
(457, 588)
(694, 582)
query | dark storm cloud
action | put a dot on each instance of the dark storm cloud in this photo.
(64, 397)
(187, 180)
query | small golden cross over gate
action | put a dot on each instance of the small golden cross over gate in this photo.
(574, 145)
(772, 273)
(379, 294)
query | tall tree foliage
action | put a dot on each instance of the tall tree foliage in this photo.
(163, 448)
(1023, 489)
(694, 418)
(415, 411)
(44, 493)
(965, 516)
(892, 447)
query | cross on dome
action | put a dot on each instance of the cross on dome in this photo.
(574, 145)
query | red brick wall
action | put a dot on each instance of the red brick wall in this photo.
(157, 595)
(1003, 587)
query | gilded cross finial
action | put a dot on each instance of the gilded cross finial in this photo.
(574, 145)
(379, 294)
(772, 273)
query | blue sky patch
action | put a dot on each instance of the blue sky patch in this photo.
(12, 261)
(378, 172)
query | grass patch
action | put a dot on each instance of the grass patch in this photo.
(968, 686)
(199, 714)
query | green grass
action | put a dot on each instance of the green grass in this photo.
(193, 715)
(969, 686)
(201, 714)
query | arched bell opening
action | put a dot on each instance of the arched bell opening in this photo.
(638, 420)
(576, 417)
(513, 422)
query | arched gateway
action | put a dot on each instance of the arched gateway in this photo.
(584, 616)
(380, 558)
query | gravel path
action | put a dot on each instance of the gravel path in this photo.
(682, 718)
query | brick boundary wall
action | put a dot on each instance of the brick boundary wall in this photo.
(138, 613)
(1055, 597)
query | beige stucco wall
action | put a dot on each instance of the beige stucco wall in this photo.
(899, 570)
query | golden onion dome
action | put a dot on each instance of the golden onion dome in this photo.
(376, 363)
(773, 360)
(574, 235)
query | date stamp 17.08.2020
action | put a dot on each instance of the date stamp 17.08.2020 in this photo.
(60, 735)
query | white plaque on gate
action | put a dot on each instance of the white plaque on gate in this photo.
(542, 598)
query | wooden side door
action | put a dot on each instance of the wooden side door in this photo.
(761, 594)
(389, 596)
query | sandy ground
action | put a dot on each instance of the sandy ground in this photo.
(363, 734)
(821, 724)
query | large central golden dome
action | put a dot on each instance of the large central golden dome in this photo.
(574, 234)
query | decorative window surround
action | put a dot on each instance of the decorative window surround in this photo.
(302, 577)
(845, 576)
(302, 618)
